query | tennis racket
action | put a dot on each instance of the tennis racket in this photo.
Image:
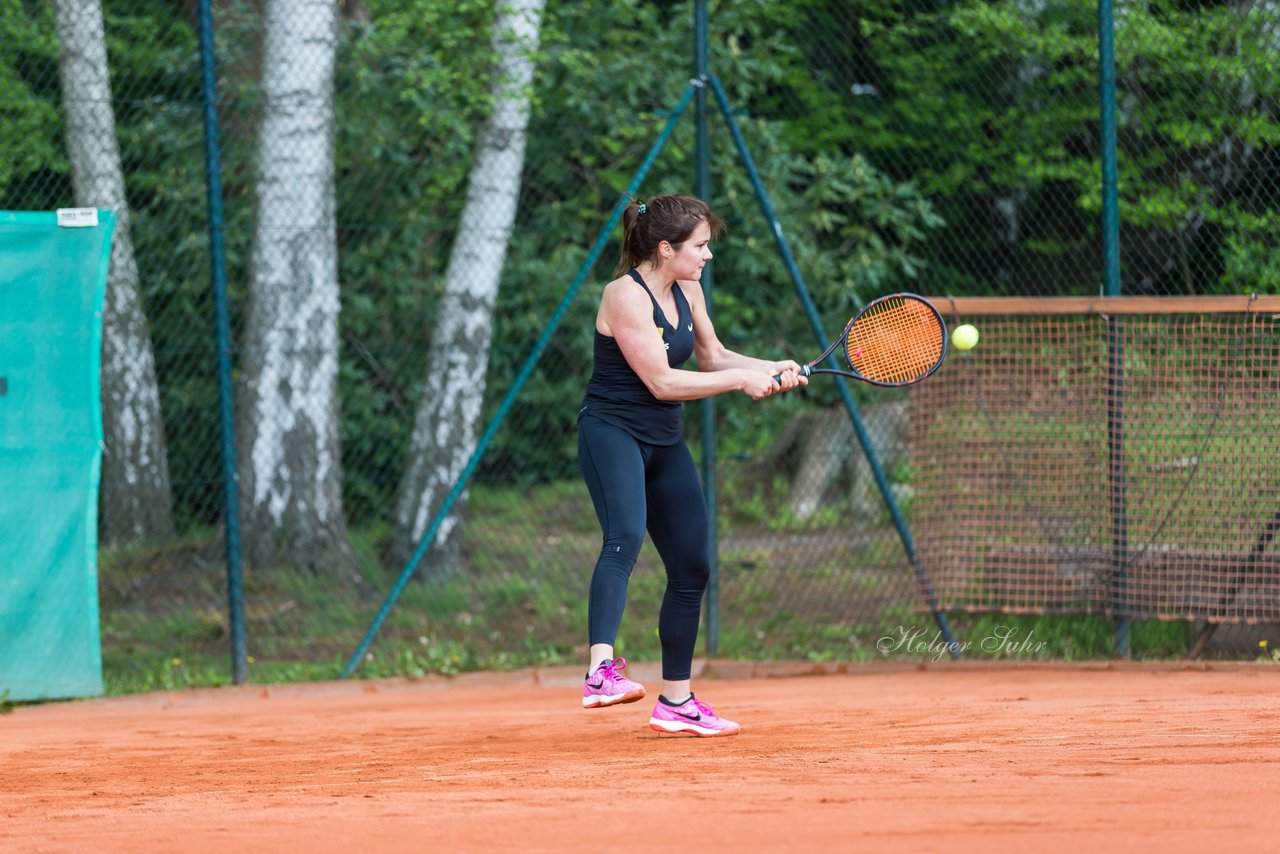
(897, 340)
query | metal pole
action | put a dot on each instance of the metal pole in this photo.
(703, 191)
(1110, 183)
(1115, 328)
(226, 407)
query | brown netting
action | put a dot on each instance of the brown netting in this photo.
(896, 340)
(1058, 474)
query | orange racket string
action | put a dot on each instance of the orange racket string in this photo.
(897, 341)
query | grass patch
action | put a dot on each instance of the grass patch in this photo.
(1067, 638)
(520, 600)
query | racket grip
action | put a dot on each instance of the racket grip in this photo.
(804, 372)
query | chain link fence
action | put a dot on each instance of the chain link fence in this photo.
(411, 190)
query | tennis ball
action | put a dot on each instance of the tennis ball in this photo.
(964, 337)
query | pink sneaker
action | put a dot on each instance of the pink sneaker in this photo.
(607, 687)
(691, 716)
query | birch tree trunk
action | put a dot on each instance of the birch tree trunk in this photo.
(135, 492)
(290, 463)
(445, 426)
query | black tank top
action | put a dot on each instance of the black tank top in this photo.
(617, 395)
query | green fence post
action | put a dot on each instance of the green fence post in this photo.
(1115, 328)
(703, 191)
(226, 406)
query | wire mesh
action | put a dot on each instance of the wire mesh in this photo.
(936, 148)
(1080, 463)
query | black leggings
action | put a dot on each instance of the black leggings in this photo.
(635, 485)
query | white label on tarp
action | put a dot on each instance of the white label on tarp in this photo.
(77, 217)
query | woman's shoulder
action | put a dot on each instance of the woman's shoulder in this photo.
(624, 289)
(620, 299)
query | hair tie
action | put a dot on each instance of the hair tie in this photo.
(643, 209)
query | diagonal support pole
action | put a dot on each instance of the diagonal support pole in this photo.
(521, 378)
(922, 577)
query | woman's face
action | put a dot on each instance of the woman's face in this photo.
(686, 262)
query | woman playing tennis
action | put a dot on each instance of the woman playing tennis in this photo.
(639, 471)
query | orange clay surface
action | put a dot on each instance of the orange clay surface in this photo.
(973, 757)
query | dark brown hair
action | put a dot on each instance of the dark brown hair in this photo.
(671, 218)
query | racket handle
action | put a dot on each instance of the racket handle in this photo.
(804, 372)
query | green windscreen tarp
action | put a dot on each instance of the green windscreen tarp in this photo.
(53, 275)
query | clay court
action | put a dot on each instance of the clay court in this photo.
(951, 756)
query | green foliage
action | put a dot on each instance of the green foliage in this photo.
(32, 171)
(412, 89)
(990, 110)
(599, 106)
(928, 147)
